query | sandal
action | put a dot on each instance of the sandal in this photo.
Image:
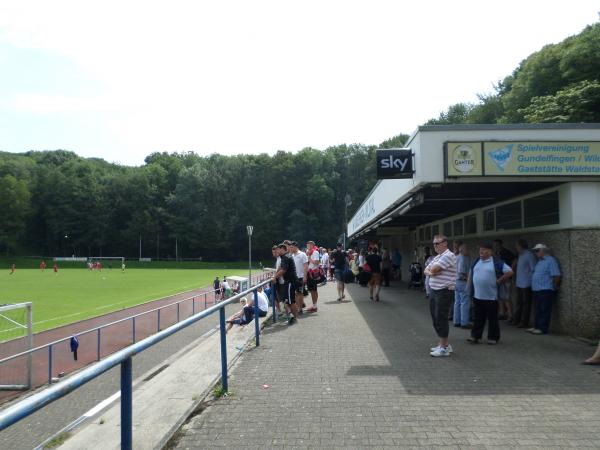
(590, 363)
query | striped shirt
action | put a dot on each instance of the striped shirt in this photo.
(446, 278)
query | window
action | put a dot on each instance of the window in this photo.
(508, 217)
(489, 220)
(471, 224)
(541, 210)
(435, 229)
(421, 234)
(458, 227)
(448, 229)
(428, 233)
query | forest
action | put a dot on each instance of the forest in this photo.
(55, 203)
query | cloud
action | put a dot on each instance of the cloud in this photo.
(267, 75)
(45, 104)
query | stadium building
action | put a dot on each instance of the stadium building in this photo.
(540, 182)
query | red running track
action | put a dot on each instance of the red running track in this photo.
(113, 338)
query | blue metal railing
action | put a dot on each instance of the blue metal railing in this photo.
(50, 346)
(123, 357)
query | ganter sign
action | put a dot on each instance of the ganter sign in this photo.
(522, 158)
(394, 163)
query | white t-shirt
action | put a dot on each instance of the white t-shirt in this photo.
(300, 259)
(226, 285)
(277, 267)
(361, 260)
(325, 260)
(263, 302)
(314, 260)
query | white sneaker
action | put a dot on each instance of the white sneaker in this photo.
(441, 351)
(449, 348)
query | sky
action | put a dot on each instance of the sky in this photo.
(119, 80)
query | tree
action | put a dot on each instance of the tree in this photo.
(579, 102)
(15, 207)
(455, 114)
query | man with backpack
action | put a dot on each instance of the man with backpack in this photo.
(486, 276)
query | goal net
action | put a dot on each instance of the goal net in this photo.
(16, 337)
(105, 262)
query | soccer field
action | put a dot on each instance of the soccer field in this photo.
(76, 294)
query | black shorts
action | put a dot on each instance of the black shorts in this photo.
(288, 292)
(299, 285)
(311, 284)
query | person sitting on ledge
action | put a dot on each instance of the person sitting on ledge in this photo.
(245, 315)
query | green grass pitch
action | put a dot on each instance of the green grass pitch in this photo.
(76, 294)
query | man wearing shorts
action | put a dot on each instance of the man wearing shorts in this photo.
(287, 271)
(301, 262)
(313, 274)
(376, 264)
(340, 259)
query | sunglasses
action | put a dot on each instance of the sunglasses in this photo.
(438, 243)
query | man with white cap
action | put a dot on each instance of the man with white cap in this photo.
(545, 282)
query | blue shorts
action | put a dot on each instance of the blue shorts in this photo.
(339, 275)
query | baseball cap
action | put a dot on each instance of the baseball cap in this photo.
(540, 247)
(293, 243)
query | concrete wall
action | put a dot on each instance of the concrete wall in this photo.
(577, 311)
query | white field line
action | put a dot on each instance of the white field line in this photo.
(12, 321)
(52, 319)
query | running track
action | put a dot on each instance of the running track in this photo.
(113, 338)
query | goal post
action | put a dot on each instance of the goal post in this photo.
(16, 333)
(120, 259)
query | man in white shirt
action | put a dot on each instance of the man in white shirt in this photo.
(226, 288)
(325, 262)
(263, 302)
(313, 274)
(442, 280)
(301, 263)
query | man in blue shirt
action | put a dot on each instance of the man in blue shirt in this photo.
(485, 278)
(544, 285)
(524, 265)
(462, 297)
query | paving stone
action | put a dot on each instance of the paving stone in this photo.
(358, 374)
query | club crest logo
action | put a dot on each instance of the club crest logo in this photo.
(463, 158)
(501, 156)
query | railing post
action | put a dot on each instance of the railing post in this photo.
(49, 364)
(98, 345)
(177, 312)
(126, 405)
(256, 318)
(205, 300)
(193, 305)
(133, 329)
(224, 383)
(158, 322)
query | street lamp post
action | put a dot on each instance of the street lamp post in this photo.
(250, 228)
(347, 202)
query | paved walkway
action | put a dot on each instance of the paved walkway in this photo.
(359, 375)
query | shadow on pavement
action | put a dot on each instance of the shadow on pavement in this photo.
(520, 364)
